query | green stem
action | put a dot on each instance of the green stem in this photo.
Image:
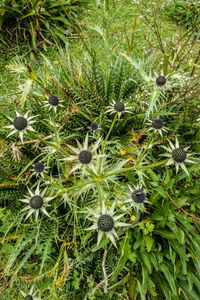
(106, 8)
(37, 137)
(100, 191)
(145, 149)
(132, 168)
(104, 143)
(111, 127)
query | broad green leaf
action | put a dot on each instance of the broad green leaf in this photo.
(153, 259)
(164, 233)
(145, 258)
(149, 243)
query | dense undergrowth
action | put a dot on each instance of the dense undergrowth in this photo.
(108, 167)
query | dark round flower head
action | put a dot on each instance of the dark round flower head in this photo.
(157, 123)
(119, 106)
(39, 167)
(138, 196)
(20, 123)
(179, 155)
(94, 126)
(85, 157)
(53, 100)
(36, 202)
(161, 80)
(105, 223)
(28, 297)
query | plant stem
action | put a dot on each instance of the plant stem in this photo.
(49, 143)
(106, 6)
(111, 127)
(100, 191)
(132, 168)
(104, 143)
(145, 149)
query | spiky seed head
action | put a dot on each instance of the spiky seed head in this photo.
(39, 167)
(157, 123)
(20, 123)
(85, 157)
(105, 223)
(119, 106)
(179, 155)
(28, 297)
(138, 196)
(94, 126)
(53, 100)
(36, 202)
(161, 80)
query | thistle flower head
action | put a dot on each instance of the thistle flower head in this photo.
(36, 202)
(84, 156)
(21, 124)
(177, 155)
(119, 107)
(105, 222)
(94, 126)
(53, 102)
(137, 197)
(161, 80)
(157, 123)
(39, 167)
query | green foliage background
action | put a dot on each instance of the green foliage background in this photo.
(158, 255)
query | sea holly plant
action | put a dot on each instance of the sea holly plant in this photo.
(105, 222)
(21, 124)
(178, 156)
(131, 224)
(36, 202)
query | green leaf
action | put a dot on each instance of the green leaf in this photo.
(161, 191)
(153, 260)
(144, 279)
(124, 256)
(149, 243)
(121, 282)
(169, 277)
(164, 233)
(145, 258)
